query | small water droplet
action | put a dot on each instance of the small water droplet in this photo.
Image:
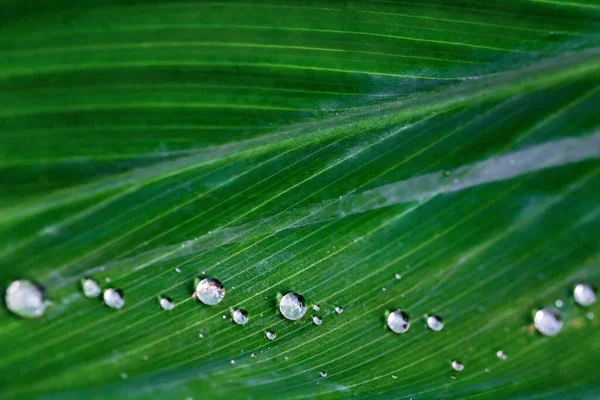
(178, 270)
(452, 377)
(383, 289)
(501, 355)
(317, 320)
(316, 307)
(145, 358)
(210, 291)
(240, 316)
(323, 374)
(435, 323)
(585, 295)
(124, 375)
(271, 335)
(26, 299)
(90, 288)
(457, 366)
(548, 321)
(394, 377)
(107, 279)
(166, 303)
(398, 276)
(201, 336)
(590, 315)
(292, 306)
(224, 316)
(487, 370)
(286, 358)
(339, 309)
(253, 355)
(232, 362)
(558, 303)
(398, 321)
(113, 298)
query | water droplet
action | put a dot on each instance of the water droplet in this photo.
(107, 279)
(224, 316)
(286, 358)
(253, 355)
(383, 289)
(316, 307)
(113, 298)
(292, 306)
(339, 309)
(317, 320)
(394, 377)
(323, 374)
(398, 321)
(124, 375)
(166, 304)
(240, 316)
(457, 366)
(90, 288)
(501, 355)
(232, 362)
(178, 270)
(548, 321)
(210, 291)
(398, 276)
(590, 315)
(487, 370)
(558, 303)
(435, 323)
(271, 335)
(452, 377)
(26, 299)
(585, 295)
(201, 336)
(145, 358)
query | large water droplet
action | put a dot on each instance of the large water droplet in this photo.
(398, 321)
(548, 321)
(240, 316)
(457, 366)
(585, 295)
(435, 323)
(90, 288)
(113, 298)
(271, 335)
(292, 306)
(317, 320)
(210, 291)
(26, 299)
(166, 304)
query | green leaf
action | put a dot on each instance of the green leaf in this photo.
(325, 148)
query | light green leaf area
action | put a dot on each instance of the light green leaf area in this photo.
(320, 147)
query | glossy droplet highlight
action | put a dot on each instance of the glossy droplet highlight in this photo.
(435, 323)
(457, 366)
(398, 321)
(210, 291)
(90, 288)
(585, 295)
(501, 355)
(113, 298)
(323, 374)
(339, 309)
(548, 322)
(240, 316)
(271, 335)
(316, 307)
(398, 276)
(166, 304)
(26, 299)
(292, 306)
(317, 320)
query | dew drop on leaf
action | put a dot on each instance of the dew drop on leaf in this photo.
(548, 321)
(457, 366)
(166, 304)
(501, 355)
(114, 298)
(292, 306)
(590, 315)
(210, 291)
(271, 335)
(339, 309)
(558, 303)
(323, 374)
(585, 295)
(26, 299)
(398, 321)
(398, 276)
(394, 377)
(317, 320)
(90, 288)
(435, 323)
(316, 307)
(240, 316)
